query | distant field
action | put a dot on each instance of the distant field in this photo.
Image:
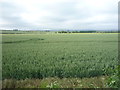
(22, 32)
(60, 55)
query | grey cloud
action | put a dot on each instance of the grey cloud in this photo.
(62, 13)
(10, 13)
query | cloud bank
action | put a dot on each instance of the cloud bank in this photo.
(59, 14)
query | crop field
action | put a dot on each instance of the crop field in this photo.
(58, 55)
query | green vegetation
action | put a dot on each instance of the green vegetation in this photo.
(114, 80)
(58, 55)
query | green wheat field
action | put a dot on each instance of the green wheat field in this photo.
(58, 60)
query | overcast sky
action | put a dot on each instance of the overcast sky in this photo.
(59, 14)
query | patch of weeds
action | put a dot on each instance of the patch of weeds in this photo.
(43, 85)
(53, 85)
(113, 81)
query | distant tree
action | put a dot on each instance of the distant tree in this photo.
(15, 29)
(62, 31)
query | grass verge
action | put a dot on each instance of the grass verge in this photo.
(94, 82)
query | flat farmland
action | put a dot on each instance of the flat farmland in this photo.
(58, 55)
